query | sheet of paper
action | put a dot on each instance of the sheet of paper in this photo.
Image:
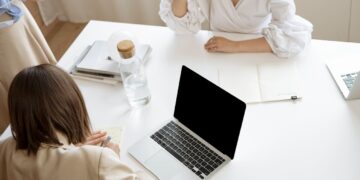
(278, 80)
(116, 133)
(269, 81)
(241, 82)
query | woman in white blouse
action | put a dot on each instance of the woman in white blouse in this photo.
(284, 33)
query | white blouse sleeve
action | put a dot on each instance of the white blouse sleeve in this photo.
(287, 34)
(190, 23)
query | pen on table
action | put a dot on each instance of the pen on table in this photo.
(107, 140)
(293, 97)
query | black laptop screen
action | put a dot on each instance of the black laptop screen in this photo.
(209, 111)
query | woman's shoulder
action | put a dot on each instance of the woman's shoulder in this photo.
(87, 157)
(88, 151)
(7, 148)
(7, 144)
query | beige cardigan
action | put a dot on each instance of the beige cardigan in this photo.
(21, 45)
(65, 162)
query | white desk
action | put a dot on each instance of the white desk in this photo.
(316, 138)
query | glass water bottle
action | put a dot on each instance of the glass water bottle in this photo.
(133, 75)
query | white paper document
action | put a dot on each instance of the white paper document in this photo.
(269, 81)
(242, 83)
(116, 133)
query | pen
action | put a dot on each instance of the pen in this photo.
(107, 140)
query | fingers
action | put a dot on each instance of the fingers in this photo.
(211, 41)
(96, 135)
(211, 45)
(95, 141)
(96, 138)
(220, 44)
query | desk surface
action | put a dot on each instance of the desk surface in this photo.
(317, 137)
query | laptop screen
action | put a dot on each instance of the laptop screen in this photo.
(209, 111)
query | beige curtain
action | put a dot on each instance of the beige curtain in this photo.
(79, 11)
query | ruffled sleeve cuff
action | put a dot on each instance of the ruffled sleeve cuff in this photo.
(288, 38)
(189, 23)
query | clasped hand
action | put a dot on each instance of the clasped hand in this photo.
(220, 44)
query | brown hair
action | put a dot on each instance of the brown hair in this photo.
(42, 100)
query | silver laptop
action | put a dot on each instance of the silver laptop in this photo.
(347, 77)
(201, 138)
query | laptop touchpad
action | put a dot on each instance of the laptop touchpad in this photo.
(163, 165)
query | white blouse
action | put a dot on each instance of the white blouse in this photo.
(286, 33)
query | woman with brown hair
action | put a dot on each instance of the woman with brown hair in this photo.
(51, 130)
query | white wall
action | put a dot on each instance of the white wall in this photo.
(355, 21)
(330, 17)
(140, 11)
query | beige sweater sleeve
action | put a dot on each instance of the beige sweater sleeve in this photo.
(21, 45)
(111, 168)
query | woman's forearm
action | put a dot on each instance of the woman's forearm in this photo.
(253, 45)
(179, 8)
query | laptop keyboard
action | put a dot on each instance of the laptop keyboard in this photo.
(349, 79)
(188, 150)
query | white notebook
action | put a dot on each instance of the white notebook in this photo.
(99, 58)
(269, 81)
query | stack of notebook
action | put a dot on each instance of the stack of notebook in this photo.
(96, 63)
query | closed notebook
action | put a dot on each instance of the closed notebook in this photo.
(98, 59)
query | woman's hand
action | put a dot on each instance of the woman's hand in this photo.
(220, 44)
(95, 138)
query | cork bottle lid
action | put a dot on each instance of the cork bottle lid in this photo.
(126, 49)
(125, 46)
